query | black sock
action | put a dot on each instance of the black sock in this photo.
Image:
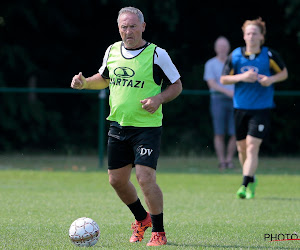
(138, 210)
(157, 223)
(247, 179)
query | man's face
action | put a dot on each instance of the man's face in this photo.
(222, 47)
(131, 30)
(252, 36)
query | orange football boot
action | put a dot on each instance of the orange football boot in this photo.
(139, 228)
(157, 239)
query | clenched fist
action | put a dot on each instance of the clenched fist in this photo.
(78, 81)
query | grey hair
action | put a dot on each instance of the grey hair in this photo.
(131, 10)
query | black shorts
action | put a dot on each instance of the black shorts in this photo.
(133, 145)
(252, 122)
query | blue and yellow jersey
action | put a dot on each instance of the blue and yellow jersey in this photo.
(253, 95)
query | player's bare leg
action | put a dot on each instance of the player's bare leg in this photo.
(119, 179)
(241, 147)
(248, 155)
(146, 177)
(252, 150)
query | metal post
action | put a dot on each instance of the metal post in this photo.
(101, 122)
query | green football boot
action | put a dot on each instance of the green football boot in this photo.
(241, 193)
(250, 190)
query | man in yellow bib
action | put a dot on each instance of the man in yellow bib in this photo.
(134, 71)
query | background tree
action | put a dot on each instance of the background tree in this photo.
(45, 43)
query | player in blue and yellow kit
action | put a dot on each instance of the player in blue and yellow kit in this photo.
(253, 69)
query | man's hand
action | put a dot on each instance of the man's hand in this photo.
(229, 93)
(151, 104)
(78, 81)
(264, 81)
(250, 76)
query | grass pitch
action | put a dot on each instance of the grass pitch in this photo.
(41, 196)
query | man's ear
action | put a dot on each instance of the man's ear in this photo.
(144, 26)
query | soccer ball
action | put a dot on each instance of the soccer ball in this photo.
(84, 232)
